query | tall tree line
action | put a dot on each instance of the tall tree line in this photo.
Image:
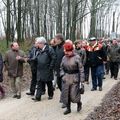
(26, 19)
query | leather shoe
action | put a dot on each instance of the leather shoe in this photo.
(29, 93)
(15, 96)
(67, 111)
(36, 100)
(93, 89)
(100, 88)
(64, 106)
(18, 96)
(50, 97)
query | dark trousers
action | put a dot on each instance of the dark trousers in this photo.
(97, 76)
(59, 82)
(107, 67)
(2, 91)
(86, 71)
(114, 69)
(41, 89)
(33, 82)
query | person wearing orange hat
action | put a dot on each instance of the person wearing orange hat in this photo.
(72, 73)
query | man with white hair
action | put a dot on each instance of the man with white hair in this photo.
(45, 64)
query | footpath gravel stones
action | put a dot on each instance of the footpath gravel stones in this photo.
(109, 108)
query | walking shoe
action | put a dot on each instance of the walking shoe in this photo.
(67, 111)
(14, 96)
(18, 96)
(50, 97)
(115, 78)
(111, 76)
(36, 100)
(93, 89)
(100, 88)
(64, 106)
(29, 93)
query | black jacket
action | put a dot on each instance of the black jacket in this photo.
(45, 64)
(96, 57)
(32, 56)
(59, 53)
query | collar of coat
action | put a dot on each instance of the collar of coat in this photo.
(95, 47)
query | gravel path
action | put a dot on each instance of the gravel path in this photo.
(26, 109)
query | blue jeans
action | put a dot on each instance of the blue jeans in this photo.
(97, 76)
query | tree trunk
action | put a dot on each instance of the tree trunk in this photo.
(93, 20)
(19, 22)
(8, 23)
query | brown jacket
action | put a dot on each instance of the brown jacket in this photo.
(13, 66)
(70, 82)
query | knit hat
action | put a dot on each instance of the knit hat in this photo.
(68, 46)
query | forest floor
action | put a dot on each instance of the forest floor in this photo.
(97, 105)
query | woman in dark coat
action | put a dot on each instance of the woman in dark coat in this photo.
(73, 73)
(1, 76)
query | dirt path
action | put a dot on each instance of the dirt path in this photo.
(26, 109)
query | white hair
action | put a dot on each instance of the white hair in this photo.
(40, 40)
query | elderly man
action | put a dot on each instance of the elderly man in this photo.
(14, 59)
(45, 64)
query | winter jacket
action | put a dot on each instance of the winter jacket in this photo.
(45, 64)
(13, 66)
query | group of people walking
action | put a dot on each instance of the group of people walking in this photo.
(66, 61)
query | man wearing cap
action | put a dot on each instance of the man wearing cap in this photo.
(45, 65)
(95, 58)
